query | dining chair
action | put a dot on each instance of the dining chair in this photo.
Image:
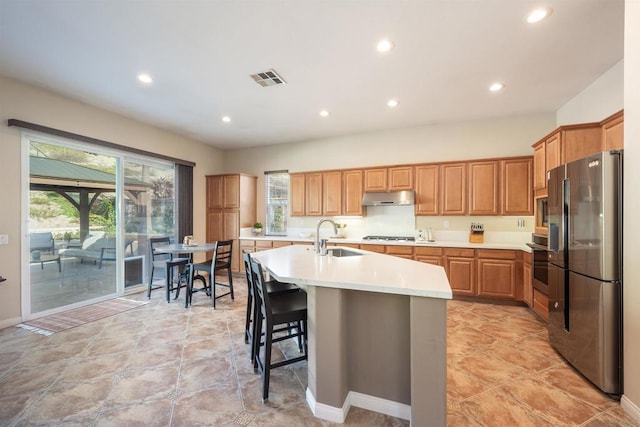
(277, 314)
(221, 261)
(274, 287)
(174, 268)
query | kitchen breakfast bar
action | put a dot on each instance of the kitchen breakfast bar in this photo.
(377, 331)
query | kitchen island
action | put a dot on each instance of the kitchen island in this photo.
(377, 332)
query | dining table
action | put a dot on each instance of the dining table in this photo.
(182, 249)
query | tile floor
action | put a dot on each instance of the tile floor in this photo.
(162, 364)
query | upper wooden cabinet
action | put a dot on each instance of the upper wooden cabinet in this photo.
(581, 141)
(517, 192)
(388, 179)
(223, 191)
(613, 132)
(352, 190)
(375, 179)
(553, 152)
(297, 194)
(539, 166)
(332, 193)
(427, 189)
(484, 188)
(453, 188)
(313, 194)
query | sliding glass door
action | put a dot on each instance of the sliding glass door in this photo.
(90, 213)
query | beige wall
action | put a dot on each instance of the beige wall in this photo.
(631, 280)
(457, 141)
(28, 103)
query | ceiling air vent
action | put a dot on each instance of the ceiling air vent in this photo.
(268, 78)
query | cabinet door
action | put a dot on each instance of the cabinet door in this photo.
(231, 189)
(313, 194)
(375, 179)
(297, 194)
(427, 181)
(461, 274)
(435, 260)
(579, 143)
(231, 231)
(497, 278)
(613, 132)
(539, 166)
(517, 191)
(214, 225)
(484, 188)
(552, 152)
(453, 193)
(352, 202)
(215, 192)
(332, 193)
(400, 178)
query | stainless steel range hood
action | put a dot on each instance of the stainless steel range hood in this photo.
(391, 198)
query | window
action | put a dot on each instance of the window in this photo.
(277, 202)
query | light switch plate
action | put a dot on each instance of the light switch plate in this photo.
(4, 239)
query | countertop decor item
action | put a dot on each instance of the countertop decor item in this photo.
(257, 228)
(477, 233)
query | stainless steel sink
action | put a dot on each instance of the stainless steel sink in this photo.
(340, 252)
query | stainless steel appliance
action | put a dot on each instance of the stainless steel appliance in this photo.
(585, 266)
(540, 258)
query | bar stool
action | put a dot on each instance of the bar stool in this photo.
(168, 263)
(277, 312)
(273, 288)
(221, 260)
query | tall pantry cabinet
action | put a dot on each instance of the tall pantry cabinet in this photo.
(231, 205)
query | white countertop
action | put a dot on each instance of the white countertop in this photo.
(371, 272)
(438, 244)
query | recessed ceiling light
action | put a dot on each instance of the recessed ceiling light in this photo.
(384, 46)
(324, 113)
(496, 87)
(226, 119)
(145, 78)
(392, 103)
(538, 15)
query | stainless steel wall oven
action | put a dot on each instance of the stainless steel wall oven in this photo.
(540, 257)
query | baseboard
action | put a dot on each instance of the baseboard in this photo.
(359, 400)
(10, 322)
(630, 408)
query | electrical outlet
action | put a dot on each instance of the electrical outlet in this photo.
(4, 239)
(446, 224)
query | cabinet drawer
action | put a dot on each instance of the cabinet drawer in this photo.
(349, 245)
(399, 250)
(373, 248)
(541, 304)
(263, 244)
(280, 243)
(459, 252)
(496, 254)
(428, 251)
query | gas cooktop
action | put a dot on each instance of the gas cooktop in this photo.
(390, 238)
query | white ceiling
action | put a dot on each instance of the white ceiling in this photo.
(201, 53)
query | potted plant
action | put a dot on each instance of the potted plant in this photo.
(257, 228)
(340, 227)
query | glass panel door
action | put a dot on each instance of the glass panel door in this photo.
(149, 211)
(72, 226)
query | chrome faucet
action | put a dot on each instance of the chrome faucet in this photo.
(322, 249)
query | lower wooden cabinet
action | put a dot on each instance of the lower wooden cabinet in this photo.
(541, 304)
(459, 263)
(527, 279)
(400, 251)
(497, 273)
(428, 255)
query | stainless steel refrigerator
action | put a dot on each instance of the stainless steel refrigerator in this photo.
(585, 266)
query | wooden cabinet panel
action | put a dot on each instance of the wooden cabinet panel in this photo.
(427, 251)
(497, 253)
(541, 304)
(332, 193)
(215, 192)
(231, 184)
(453, 189)
(461, 274)
(280, 243)
(214, 225)
(352, 201)
(553, 156)
(517, 191)
(313, 194)
(407, 251)
(375, 179)
(348, 245)
(459, 252)
(613, 132)
(539, 166)
(373, 248)
(427, 187)
(579, 143)
(497, 278)
(297, 194)
(435, 260)
(527, 277)
(484, 188)
(400, 178)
